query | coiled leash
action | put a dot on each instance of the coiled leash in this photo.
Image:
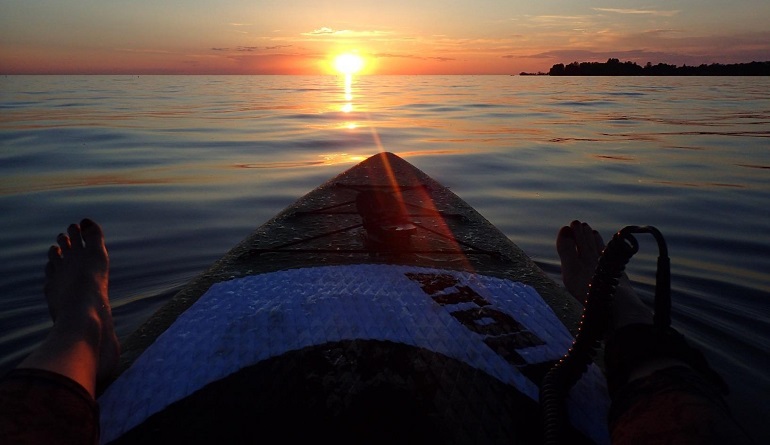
(640, 342)
(595, 321)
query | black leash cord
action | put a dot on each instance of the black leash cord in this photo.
(595, 321)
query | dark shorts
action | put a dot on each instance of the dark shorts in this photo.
(42, 407)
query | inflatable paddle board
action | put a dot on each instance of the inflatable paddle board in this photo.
(379, 308)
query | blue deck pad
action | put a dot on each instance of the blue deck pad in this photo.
(500, 327)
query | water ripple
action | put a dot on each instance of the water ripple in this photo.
(180, 168)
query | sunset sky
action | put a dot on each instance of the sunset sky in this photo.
(393, 36)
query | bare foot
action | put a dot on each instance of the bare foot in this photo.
(76, 282)
(579, 248)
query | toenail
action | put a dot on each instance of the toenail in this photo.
(566, 232)
(86, 223)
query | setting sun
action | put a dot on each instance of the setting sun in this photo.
(348, 63)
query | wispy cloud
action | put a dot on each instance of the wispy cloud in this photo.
(320, 31)
(325, 31)
(143, 50)
(261, 48)
(251, 48)
(558, 20)
(579, 55)
(654, 12)
(557, 25)
(412, 56)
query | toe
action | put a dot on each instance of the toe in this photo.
(54, 253)
(92, 234)
(584, 239)
(64, 243)
(589, 242)
(565, 244)
(598, 241)
(54, 258)
(76, 240)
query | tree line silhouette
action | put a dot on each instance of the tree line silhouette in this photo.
(614, 67)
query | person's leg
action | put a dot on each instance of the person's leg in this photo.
(662, 397)
(81, 344)
(49, 397)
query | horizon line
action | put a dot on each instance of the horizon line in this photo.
(229, 73)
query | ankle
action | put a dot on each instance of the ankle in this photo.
(85, 325)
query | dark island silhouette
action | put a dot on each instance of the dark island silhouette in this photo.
(614, 67)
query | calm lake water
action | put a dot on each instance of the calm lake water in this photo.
(178, 169)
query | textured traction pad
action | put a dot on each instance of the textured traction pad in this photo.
(497, 326)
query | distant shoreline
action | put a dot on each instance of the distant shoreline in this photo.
(614, 67)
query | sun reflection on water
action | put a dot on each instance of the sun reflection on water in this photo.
(347, 107)
(348, 87)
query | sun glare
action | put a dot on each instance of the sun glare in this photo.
(348, 63)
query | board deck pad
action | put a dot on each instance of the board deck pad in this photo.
(497, 326)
